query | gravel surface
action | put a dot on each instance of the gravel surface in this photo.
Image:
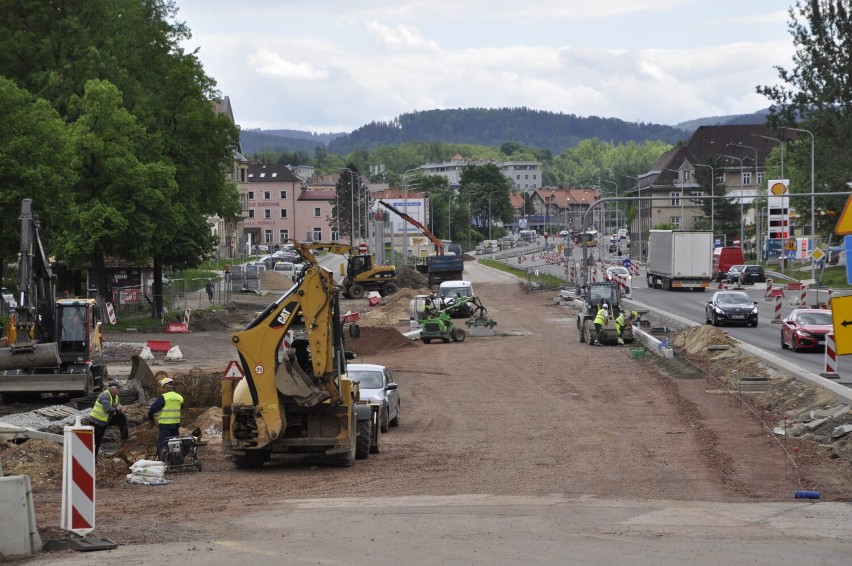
(529, 412)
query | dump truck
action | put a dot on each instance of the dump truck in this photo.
(49, 343)
(295, 398)
(680, 260)
(437, 267)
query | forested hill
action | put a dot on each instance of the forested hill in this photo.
(480, 126)
(492, 127)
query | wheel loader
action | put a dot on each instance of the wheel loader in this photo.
(295, 399)
(595, 295)
(362, 273)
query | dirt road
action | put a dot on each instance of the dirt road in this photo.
(529, 413)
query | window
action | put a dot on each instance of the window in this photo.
(267, 213)
(317, 212)
(675, 198)
(335, 235)
(267, 236)
(759, 177)
(251, 213)
(267, 195)
(243, 172)
(675, 221)
(283, 213)
(251, 195)
(283, 236)
(317, 234)
(282, 195)
(746, 177)
(526, 177)
(697, 201)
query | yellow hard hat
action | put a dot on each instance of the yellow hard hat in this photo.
(166, 381)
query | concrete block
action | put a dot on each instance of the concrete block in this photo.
(19, 536)
(814, 424)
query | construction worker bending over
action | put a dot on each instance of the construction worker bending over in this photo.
(600, 321)
(108, 411)
(168, 405)
(621, 322)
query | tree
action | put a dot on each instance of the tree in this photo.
(816, 95)
(488, 191)
(35, 162)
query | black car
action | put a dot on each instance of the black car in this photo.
(733, 274)
(752, 274)
(731, 307)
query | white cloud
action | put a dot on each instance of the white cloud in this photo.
(400, 37)
(269, 63)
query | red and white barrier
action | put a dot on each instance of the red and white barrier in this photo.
(777, 318)
(830, 357)
(110, 313)
(78, 480)
(622, 284)
(768, 293)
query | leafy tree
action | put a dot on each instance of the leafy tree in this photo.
(35, 162)
(487, 190)
(816, 95)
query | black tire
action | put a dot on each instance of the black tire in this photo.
(394, 422)
(362, 444)
(446, 340)
(198, 466)
(356, 292)
(427, 340)
(384, 421)
(458, 334)
(754, 324)
(89, 387)
(251, 459)
(389, 289)
(706, 318)
(783, 344)
(650, 281)
(580, 331)
(715, 320)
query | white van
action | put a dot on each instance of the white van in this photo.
(448, 291)
(286, 268)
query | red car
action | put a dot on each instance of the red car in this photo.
(805, 329)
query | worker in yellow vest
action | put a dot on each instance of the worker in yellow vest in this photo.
(601, 319)
(167, 406)
(108, 411)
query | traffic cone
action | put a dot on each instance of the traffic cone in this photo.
(721, 285)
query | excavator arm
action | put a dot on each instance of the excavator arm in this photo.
(309, 312)
(439, 245)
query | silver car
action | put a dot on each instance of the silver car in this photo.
(377, 385)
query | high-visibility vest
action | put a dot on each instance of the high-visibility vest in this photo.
(98, 412)
(170, 413)
(600, 318)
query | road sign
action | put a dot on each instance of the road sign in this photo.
(817, 254)
(817, 240)
(791, 245)
(233, 372)
(844, 223)
(847, 245)
(626, 263)
(362, 248)
(841, 318)
(791, 254)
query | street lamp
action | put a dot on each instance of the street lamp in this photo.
(639, 209)
(813, 206)
(614, 184)
(405, 210)
(712, 199)
(681, 195)
(742, 217)
(754, 149)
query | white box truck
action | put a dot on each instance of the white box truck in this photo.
(680, 260)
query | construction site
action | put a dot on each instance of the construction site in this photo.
(527, 411)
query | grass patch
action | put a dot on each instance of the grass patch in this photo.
(545, 279)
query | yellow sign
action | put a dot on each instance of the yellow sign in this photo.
(817, 254)
(841, 318)
(791, 245)
(778, 188)
(844, 223)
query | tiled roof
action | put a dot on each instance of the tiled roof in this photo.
(259, 173)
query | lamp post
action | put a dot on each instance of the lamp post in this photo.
(742, 220)
(614, 184)
(681, 195)
(712, 199)
(754, 149)
(813, 205)
(405, 210)
(469, 221)
(639, 210)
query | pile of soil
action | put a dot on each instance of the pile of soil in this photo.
(408, 276)
(378, 339)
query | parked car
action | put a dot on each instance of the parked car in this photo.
(752, 274)
(619, 270)
(806, 329)
(286, 268)
(733, 274)
(730, 307)
(377, 384)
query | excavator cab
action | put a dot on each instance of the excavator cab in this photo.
(76, 329)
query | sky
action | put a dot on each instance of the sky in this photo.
(335, 65)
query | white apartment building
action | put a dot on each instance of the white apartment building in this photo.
(525, 175)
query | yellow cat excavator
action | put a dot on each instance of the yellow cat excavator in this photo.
(295, 398)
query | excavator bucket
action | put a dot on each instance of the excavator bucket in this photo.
(33, 356)
(142, 379)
